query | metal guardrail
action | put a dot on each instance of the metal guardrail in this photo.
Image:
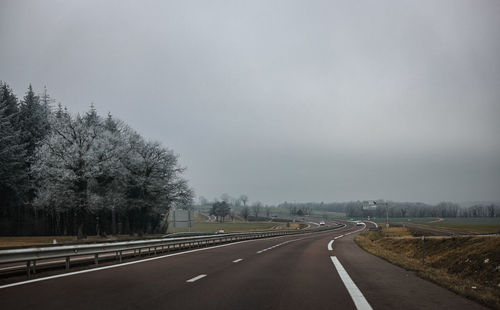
(32, 255)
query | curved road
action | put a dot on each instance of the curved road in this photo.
(292, 272)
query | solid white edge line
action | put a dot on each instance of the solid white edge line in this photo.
(376, 225)
(237, 260)
(357, 297)
(196, 278)
(330, 245)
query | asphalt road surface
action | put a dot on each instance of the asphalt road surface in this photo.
(293, 272)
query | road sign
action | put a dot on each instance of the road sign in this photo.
(181, 218)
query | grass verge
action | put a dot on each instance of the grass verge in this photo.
(469, 266)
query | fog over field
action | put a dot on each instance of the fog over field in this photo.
(283, 100)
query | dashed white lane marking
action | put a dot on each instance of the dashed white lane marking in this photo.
(196, 278)
(237, 260)
(357, 297)
(339, 237)
(330, 245)
(279, 244)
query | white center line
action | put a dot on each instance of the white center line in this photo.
(339, 236)
(359, 300)
(196, 278)
(237, 260)
(330, 245)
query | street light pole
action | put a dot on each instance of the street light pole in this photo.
(386, 215)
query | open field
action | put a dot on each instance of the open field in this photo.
(418, 220)
(470, 225)
(329, 214)
(477, 225)
(469, 266)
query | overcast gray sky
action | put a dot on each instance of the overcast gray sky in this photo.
(283, 100)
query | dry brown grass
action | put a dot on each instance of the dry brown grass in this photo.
(458, 264)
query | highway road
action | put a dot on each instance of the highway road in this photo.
(324, 270)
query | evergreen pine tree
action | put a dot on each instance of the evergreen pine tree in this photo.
(9, 103)
(12, 154)
(34, 121)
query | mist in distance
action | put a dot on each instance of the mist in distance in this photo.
(283, 100)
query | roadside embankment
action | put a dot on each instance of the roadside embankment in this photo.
(469, 266)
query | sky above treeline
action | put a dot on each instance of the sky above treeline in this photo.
(283, 100)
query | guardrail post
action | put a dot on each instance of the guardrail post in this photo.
(96, 259)
(67, 263)
(155, 250)
(120, 255)
(28, 269)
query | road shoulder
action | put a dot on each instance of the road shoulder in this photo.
(379, 280)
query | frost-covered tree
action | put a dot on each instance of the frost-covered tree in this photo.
(34, 126)
(71, 162)
(153, 182)
(13, 176)
(256, 207)
(94, 167)
(8, 102)
(34, 120)
(245, 212)
(81, 174)
(220, 209)
(12, 154)
(244, 199)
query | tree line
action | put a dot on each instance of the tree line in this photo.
(381, 208)
(409, 209)
(229, 206)
(81, 174)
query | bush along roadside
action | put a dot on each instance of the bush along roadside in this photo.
(469, 266)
